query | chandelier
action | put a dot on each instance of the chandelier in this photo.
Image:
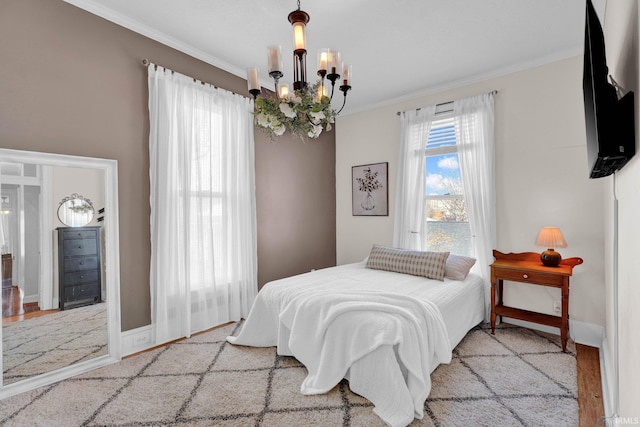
(306, 110)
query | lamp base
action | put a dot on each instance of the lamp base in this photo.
(550, 258)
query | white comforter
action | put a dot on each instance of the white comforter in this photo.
(352, 322)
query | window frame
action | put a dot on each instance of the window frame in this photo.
(448, 119)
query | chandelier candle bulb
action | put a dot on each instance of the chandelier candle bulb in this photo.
(275, 59)
(322, 61)
(322, 91)
(333, 62)
(346, 75)
(284, 91)
(299, 39)
(253, 82)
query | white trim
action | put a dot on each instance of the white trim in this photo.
(586, 333)
(531, 325)
(478, 78)
(580, 332)
(136, 340)
(154, 34)
(607, 378)
(46, 240)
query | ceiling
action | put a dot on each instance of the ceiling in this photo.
(398, 49)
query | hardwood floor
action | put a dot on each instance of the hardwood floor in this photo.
(11, 301)
(590, 402)
(13, 308)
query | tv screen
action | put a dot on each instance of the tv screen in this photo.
(609, 121)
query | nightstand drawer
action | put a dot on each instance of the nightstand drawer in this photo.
(529, 277)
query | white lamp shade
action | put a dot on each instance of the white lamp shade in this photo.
(551, 237)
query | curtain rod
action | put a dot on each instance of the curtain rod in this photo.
(146, 63)
(493, 92)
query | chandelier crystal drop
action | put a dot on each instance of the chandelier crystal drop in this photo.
(304, 111)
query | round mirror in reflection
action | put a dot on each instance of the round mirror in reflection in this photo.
(75, 211)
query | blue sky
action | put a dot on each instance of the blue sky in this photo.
(443, 171)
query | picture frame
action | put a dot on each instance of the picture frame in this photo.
(370, 189)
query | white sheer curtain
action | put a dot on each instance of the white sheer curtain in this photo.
(203, 223)
(409, 222)
(474, 118)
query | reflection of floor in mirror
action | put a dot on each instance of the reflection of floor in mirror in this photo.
(47, 342)
(13, 309)
(11, 301)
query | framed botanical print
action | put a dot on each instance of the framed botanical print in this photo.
(370, 190)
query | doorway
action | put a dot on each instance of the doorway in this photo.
(20, 238)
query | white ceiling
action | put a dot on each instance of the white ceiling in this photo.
(399, 49)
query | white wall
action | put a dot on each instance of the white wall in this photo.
(621, 38)
(541, 173)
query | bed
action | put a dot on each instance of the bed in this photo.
(384, 331)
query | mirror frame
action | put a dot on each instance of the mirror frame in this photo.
(112, 267)
(71, 198)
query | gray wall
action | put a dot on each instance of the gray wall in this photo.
(73, 83)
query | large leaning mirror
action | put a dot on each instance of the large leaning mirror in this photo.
(60, 267)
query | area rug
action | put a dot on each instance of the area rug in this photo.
(46, 343)
(516, 377)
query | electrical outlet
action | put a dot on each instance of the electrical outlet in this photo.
(557, 308)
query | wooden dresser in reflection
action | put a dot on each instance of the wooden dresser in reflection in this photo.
(79, 266)
(7, 271)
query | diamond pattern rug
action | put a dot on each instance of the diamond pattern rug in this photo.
(45, 343)
(516, 377)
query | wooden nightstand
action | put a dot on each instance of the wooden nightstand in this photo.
(526, 267)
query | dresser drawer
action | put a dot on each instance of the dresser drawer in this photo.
(80, 263)
(81, 292)
(81, 277)
(79, 234)
(80, 247)
(529, 277)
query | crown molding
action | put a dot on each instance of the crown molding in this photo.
(140, 28)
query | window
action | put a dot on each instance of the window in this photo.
(447, 226)
(206, 199)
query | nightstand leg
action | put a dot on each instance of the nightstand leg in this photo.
(564, 331)
(493, 307)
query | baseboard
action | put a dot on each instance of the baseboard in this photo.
(580, 332)
(586, 333)
(607, 377)
(136, 340)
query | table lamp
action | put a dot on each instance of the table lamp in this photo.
(550, 237)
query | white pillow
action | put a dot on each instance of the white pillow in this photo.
(458, 266)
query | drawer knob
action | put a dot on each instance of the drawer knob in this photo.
(525, 276)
